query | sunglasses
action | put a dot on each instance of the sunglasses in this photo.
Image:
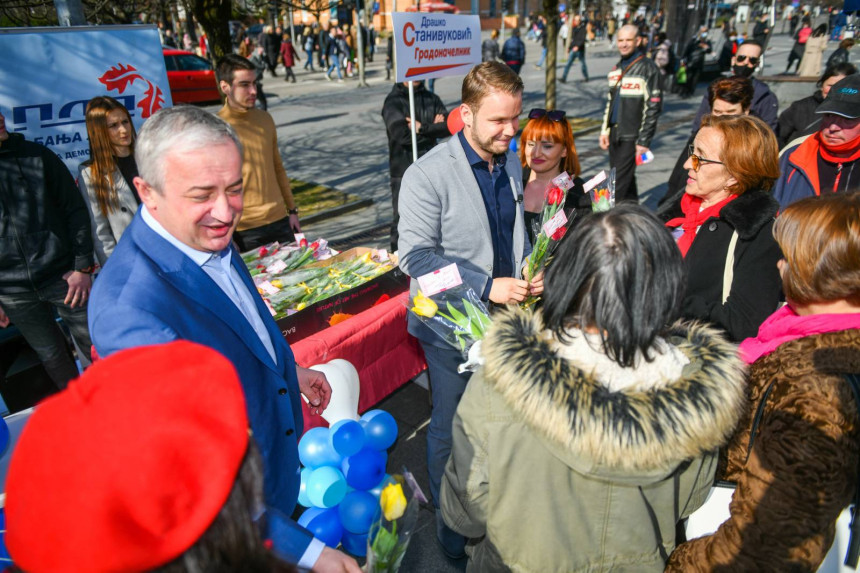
(753, 61)
(698, 161)
(553, 115)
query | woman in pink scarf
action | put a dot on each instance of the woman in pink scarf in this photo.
(800, 471)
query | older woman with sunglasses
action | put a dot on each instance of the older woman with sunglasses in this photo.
(546, 150)
(724, 230)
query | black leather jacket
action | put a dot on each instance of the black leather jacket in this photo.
(44, 222)
(640, 104)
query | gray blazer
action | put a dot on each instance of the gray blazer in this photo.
(107, 230)
(443, 220)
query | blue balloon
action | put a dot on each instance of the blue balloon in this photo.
(347, 437)
(377, 490)
(354, 543)
(324, 524)
(380, 429)
(315, 449)
(326, 487)
(364, 469)
(357, 511)
(303, 488)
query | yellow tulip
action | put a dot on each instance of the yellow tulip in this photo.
(392, 501)
(424, 306)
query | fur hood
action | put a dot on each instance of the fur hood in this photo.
(631, 435)
(750, 212)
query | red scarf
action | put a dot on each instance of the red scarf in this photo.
(694, 217)
(827, 150)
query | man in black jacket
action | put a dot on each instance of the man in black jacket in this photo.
(633, 105)
(577, 48)
(46, 252)
(430, 125)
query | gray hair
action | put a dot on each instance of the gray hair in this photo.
(177, 129)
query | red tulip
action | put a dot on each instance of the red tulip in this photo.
(303, 243)
(559, 233)
(554, 196)
(264, 251)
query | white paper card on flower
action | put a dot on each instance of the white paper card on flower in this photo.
(555, 223)
(299, 237)
(592, 183)
(441, 280)
(276, 267)
(269, 288)
(563, 181)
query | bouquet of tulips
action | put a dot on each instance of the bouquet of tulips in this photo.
(458, 316)
(553, 223)
(392, 529)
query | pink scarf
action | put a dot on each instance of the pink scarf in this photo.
(784, 326)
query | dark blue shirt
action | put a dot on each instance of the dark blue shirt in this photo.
(501, 209)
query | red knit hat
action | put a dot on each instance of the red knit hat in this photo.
(128, 467)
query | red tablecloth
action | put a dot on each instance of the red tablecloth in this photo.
(376, 343)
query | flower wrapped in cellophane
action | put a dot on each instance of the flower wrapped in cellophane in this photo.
(601, 189)
(454, 312)
(395, 520)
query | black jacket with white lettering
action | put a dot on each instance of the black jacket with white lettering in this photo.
(44, 222)
(641, 101)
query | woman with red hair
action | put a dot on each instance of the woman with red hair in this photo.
(546, 150)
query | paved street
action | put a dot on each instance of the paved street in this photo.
(333, 134)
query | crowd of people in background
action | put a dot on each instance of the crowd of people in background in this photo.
(713, 338)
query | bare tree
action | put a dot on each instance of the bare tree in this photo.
(550, 10)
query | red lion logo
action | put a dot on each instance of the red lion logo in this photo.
(119, 77)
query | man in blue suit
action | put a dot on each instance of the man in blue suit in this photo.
(175, 275)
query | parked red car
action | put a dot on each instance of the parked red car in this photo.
(191, 78)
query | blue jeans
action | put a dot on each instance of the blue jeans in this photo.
(570, 58)
(542, 57)
(309, 61)
(335, 65)
(33, 313)
(446, 389)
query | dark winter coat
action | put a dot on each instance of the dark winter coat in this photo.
(578, 36)
(799, 119)
(271, 44)
(45, 226)
(840, 56)
(764, 106)
(756, 286)
(514, 51)
(802, 469)
(395, 110)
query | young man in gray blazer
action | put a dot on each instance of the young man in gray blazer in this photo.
(462, 203)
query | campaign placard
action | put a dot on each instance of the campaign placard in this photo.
(51, 73)
(435, 45)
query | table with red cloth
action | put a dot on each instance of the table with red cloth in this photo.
(376, 343)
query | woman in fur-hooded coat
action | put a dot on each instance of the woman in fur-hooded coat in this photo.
(563, 458)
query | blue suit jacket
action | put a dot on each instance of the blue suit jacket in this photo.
(151, 293)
